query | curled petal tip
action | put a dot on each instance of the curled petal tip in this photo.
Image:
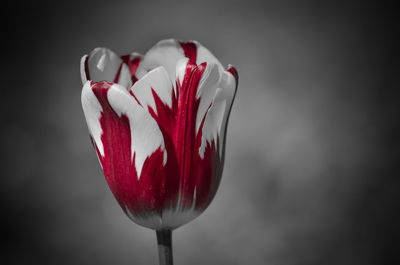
(234, 72)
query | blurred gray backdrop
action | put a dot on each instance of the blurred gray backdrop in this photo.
(310, 174)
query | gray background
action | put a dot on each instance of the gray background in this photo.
(310, 174)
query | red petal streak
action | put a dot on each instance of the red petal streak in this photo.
(133, 65)
(190, 50)
(233, 71)
(186, 178)
(141, 196)
(118, 73)
(178, 126)
(133, 95)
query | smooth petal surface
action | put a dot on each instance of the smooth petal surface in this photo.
(204, 55)
(156, 81)
(216, 120)
(104, 65)
(130, 148)
(165, 53)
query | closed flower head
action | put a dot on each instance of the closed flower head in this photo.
(158, 123)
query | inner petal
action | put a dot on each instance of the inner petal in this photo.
(165, 53)
(104, 65)
(204, 55)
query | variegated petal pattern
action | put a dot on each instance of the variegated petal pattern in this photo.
(158, 123)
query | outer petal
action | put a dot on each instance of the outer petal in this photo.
(196, 86)
(99, 99)
(102, 64)
(208, 87)
(206, 91)
(92, 110)
(131, 150)
(216, 120)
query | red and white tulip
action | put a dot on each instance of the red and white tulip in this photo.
(158, 123)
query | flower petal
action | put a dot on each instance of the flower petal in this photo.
(102, 64)
(165, 53)
(146, 137)
(180, 69)
(156, 81)
(215, 123)
(204, 55)
(206, 91)
(92, 110)
(132, 61)
(207, 87)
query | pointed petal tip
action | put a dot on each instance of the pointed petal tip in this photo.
(158, 70)
(155, 81)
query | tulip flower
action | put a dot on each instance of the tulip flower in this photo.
(158, 124)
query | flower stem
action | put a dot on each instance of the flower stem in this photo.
(164, 241)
